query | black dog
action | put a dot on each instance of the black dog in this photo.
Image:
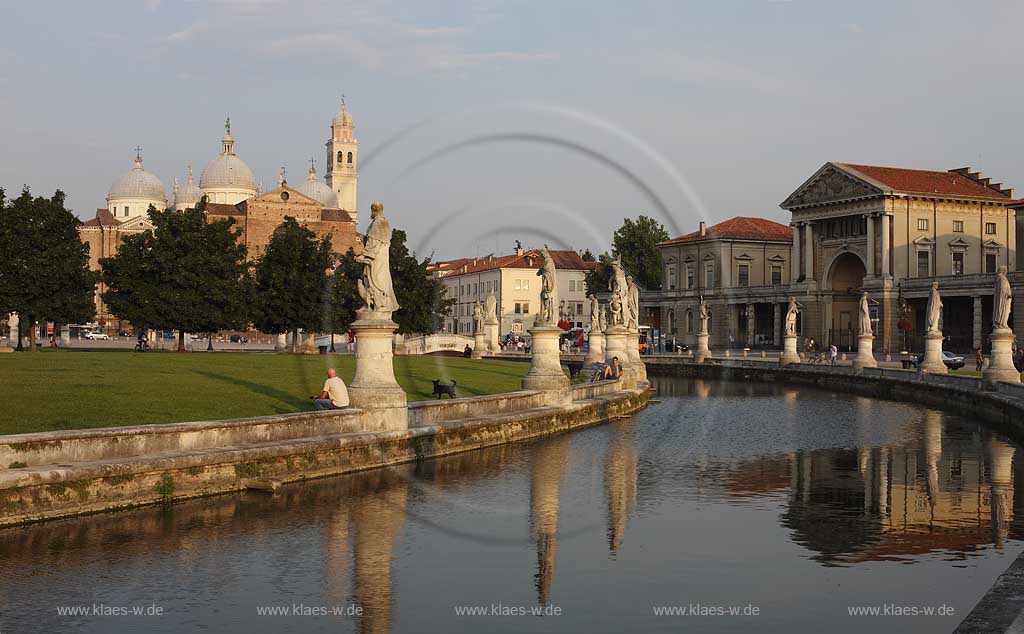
(444, 389)
(574, 368)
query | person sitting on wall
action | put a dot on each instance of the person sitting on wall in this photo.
(467, 352)
(334, 394)
(611, 370)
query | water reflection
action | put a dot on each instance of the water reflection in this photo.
(798, 485)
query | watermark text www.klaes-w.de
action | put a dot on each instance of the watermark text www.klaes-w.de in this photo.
(704, 609)
(896, 609)
(502, 609)
(304, 609)
(105, 609)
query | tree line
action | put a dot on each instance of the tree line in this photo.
(192, 275)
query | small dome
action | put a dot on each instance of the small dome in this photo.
(317, 190)
(187, 197)
(227, 170)
(138, 184)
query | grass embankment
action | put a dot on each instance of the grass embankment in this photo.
(68, 389)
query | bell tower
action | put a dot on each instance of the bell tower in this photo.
(342, 159)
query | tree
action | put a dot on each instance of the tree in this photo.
(44, 270)
(185, 274)
(637, 243)
(419, 293)
(597, 279)
(291, 284)
(341, 312)
(587, 256)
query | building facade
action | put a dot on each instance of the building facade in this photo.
(516, 286)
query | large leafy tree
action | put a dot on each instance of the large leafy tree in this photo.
(637, 242)
(345, 301)
(419, 293)
(185, 274)
(44, 266)
(291, 282)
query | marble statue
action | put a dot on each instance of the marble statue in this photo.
(865, 315)
(478, 316)
(491, 313)
(375, 286)
(595, 315)
(632, 304)
(548, 290)
(619, 288)
(791, 314)
(1002, 301)
(934, 311)
(602, 313)
(703, 308)
(615, 311)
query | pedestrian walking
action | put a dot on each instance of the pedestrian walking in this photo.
(979, 359)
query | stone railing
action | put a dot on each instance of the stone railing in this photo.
(585, 391)
(433, 412)
(432, 343)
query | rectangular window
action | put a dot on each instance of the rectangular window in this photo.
(519, 308)
(990, 228)
(990, 262)
(689, 276)
(958, 263)
(526, 307)
(526, 285)
(922, 224)
(579, 308)
(518, 285)
(744, 275)
(924, 268)
(572, 285)
(670, 277)
(958, 226)
(776, 275)
(709, 276)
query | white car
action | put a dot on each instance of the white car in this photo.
(96, 335)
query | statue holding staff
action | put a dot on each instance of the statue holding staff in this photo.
(1002, 301)
(934, 311)
(375, 287)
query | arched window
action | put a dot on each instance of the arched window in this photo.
(350, 158)
(709, 322)
(341, 157)
(671, 322)
(689, 321)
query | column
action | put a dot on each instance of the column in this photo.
(750, 325)
(976, 339)
(870, 259)
(794, 255)
(809, 251)
(884, 228)
(777, 324)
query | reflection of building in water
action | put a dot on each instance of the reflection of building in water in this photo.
(546, 464)
(620, 480)
(377, 518)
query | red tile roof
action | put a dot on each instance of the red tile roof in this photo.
(739, 228)
(926, 181)
(103, 219)
(222, 209)
(566, 260)
(335, 215)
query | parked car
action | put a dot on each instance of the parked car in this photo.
(96, 336)
(952, 361)
(239, 339)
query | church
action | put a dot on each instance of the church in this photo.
(326, 207)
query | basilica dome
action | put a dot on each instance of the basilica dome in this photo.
(187, 197)
(227, 179)
(138, 184)
(317, 190)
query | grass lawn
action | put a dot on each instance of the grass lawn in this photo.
(73, 389)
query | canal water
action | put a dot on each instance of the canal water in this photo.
(724, 507)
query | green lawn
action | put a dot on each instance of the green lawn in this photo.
(69, 389)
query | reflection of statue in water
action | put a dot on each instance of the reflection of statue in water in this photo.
(791, 314)
(478, 316)
(934, 312)
(492, 307)
(865, 315)
(618, 286)
(548, 290)
(375, 287)
(1002, 301)
(632, 303)
(703, 308)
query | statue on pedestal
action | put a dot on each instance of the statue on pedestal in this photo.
(618, 304)
(549, 289)
(703, 313)
(865, 315)
(375, 286)
(491, 313)
(1002, 301)
(595, 315)
(632, 303)
(602, 313)
(478, 317)
(791, 314)
(934, 311)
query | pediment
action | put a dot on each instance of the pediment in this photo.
(924, 241)
(293, 196)
(829, 185)
(776, 258)
(991, 244)
(708, 257)
(689, 258)
(744, 257)
(959, 243)
(139, 224)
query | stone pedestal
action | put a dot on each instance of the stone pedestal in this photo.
(615, 341)
(308, 343)
(281, 343)
(479, 345)
(865, 356)
(701, 353)
(595, 349)
(789, 353)
(374, 388)
(545, 363)
(932, 362)
(491, 334)
(633, 351)
(1000, 366)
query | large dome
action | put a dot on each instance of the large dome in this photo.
(227, 170)
(138, 184)
(317, 190)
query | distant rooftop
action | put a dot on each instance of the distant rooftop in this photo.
(738, 228)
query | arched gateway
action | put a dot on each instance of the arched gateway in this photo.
(843, 283)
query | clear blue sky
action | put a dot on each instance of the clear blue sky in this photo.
(479, 122)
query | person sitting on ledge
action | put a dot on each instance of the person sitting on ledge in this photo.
(467, 352)
(335, 394)
(611, 371)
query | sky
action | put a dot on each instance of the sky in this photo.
(482, 123)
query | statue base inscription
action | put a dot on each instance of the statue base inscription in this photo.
(374, 388)
(865, 356)
(789, 353)
(932, 362)
(1000, 366)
